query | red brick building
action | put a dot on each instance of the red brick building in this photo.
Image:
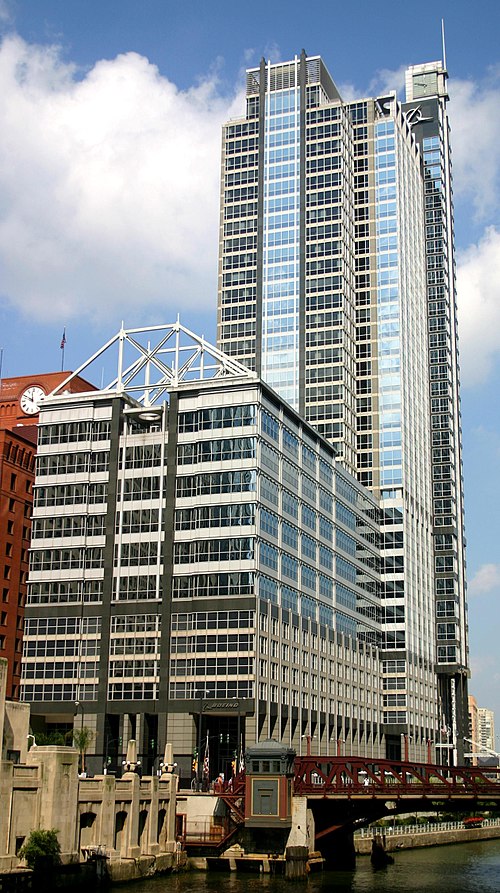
(19, 401)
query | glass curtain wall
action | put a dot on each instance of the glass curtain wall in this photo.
(281, 243)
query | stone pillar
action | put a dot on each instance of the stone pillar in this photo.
(107, 813)
(149, 842)
(130, 848)
(300, 832)
(169, 844)
(6, 775)
(58, 792)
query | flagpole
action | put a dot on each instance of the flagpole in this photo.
(63, 345)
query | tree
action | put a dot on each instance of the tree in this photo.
(82, 739)
(42, 851)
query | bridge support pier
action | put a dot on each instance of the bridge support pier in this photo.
(338, 851)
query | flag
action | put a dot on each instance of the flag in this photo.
(63, 339)
(206, 763)
(241, 762)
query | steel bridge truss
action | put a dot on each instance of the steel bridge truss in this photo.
(346, 777)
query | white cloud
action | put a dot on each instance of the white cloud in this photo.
(388, 79)
(109, 186)
(385, 81)
(478, 285)
(485, 579)
(475, 136)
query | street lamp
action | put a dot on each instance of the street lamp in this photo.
(79, 706)
(309, 738)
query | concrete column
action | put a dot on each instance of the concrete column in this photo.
(58, 792)
(149, 844)
(300, 832)
(131, 850)
(171, 811)
(6, 774)
(107, 813)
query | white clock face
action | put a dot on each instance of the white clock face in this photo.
(30, 399)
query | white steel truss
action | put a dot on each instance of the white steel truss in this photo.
(153, 359)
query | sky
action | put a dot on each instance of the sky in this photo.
(110, 133)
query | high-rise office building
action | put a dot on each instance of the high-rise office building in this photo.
(425, 109)
(336, 284)
(201, 567)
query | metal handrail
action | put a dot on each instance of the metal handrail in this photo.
(423, 828)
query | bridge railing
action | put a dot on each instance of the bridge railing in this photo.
(422, 828)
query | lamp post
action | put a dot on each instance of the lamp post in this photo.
(239, 746)
(79, 706)
(308, 738)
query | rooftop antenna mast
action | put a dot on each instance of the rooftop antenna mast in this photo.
(444, 44)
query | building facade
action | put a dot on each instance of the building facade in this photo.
(201, 570)
(19, 404)
(486, 728)
(17, 474)
(425, 109)
(334, 287)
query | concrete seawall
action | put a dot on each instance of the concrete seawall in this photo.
(409, 841)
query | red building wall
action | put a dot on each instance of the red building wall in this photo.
(18, 438)
(17, 473)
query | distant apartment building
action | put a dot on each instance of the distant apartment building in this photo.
(486, 728)
(481, 737)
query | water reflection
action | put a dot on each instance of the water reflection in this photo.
(465, 868)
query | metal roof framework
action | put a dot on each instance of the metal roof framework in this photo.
(153, 359)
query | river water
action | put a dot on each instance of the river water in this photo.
(462, 868)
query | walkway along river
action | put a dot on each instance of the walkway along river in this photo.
(426, 835)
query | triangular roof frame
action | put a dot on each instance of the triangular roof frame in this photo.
(177, 355)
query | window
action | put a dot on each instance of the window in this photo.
(308, 547)
(289, 534)
(270, 425)
(289, 567)
(268, 556)
(308, 517)
(268, 523)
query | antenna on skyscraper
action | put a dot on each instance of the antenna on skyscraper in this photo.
(444, 44)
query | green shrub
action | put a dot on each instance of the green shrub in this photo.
(42, 850)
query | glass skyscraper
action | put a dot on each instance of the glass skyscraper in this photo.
(337, 287)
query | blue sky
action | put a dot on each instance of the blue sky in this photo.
(110, 115)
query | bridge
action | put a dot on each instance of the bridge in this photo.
(354, 777)
(347, 793)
